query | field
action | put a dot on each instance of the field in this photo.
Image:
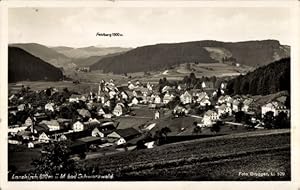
(216, 158)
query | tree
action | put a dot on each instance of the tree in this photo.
(239, 116)
(216, 127)
(197, 129)
(269, 120)
(55, 159)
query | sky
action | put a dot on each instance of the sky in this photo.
(77, 27)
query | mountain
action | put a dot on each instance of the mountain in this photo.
(86, 62)
(25, 66)
(47, 54)
(163, 56)
(86, 52)
(269, 79)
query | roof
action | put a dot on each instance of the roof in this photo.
(75, 96)
(248, 101)
(51, 122)
(84, 112)
(127, 133)
(89, 139)
(77, 135)
(209, 113)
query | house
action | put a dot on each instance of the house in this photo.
(137, 93)
(108, 115)
(100, 111)
(167, 97)
(107, 104)
(199, 96)
(209, 117)
(150, 144)
(131, 86)
(246, 104)
(205, 102)
(76, 98)
(78, 126)
(14, 140)
(28, 121)
(121, 136)
(84, 113)
(180, 110)
(53, 125)
(62, 137)
(49, 107)
(225, 99)
(275, 107)
(134, 101)
(30, 145)
(89, 140)
(124, 95)
(157, 99)
(43, 138)
(112, 94)
(186, 98)
(236, 105)
(118, 110)
(97, 133)
(21, 107)
(224, 109)
(166, 89)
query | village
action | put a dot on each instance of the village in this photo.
(133, 116)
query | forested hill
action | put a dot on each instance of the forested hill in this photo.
(24, 66)
(163, 56)
(268, 79)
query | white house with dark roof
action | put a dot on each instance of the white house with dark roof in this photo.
(186, 98)
(53, 125)
(275, 107)
(209, 117)
(167, 97)
(49, 107)
(78, 126)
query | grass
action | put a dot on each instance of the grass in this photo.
(22, 159)
(212, 159)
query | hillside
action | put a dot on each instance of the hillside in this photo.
(47, 54)
(86, 62)
(86, 52)
(24, 66)
(268, 79)
(164, 56)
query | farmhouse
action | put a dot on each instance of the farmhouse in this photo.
(209, 117)
(121, 136)
(275, 107)
(84, 113)
(167, 97)
(186, 98)
(246, 104)
(224, 109)
(205, 102)
(28, 121)
(43, 138)
(76, 98)
(53, 125)
(78, 126)
(100, 111)
(118, 110)
(157, 99)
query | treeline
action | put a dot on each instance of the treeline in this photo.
(24, 66)
(265, 80)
